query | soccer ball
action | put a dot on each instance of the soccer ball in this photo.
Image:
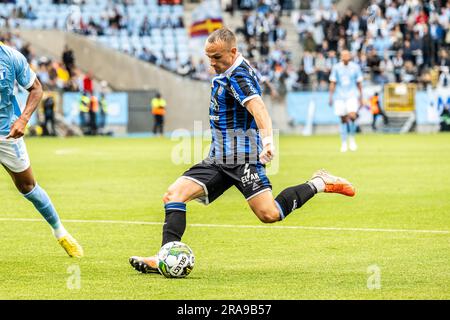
(175, 260)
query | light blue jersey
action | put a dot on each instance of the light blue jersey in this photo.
(346, 78)
(13, 67)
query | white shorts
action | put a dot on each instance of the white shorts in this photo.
(344, 107)
(14, 155)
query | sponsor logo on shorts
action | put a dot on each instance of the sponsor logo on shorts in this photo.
(249, 177)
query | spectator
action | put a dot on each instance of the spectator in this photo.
(309, 44)
(30, 14)
(409, 73)
(302, 79)
(444, 59)
(83, 106)
(376, 110)
(49, 116)
(93, 110)
(27, 52)
(68, 59)
(398, 66)
(158, 111)
(88, 85)
(321, 71)
(373, 62)
(103, 108)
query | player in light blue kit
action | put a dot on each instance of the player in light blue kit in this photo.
(346, 97)
(13, 152)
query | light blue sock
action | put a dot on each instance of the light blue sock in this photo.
(352, 128)
(44, 205)
(344, 130)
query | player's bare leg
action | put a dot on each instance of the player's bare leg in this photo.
(183, 190)
(352, 131)
(270, 210)
(27, 186)
(264, 207)
(24, 181)
(178, 194)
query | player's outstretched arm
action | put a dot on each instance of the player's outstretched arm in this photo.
(18, 128)
(259, 111)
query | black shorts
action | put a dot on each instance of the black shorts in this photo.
(215, 179)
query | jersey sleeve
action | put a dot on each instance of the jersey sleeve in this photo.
(24, 75)
(244, 88)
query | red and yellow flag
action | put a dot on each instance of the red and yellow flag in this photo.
(206, 18)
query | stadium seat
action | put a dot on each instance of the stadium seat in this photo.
(146, 41)
(178, 10)
(61, 23)
(49, 23)
(167, 33)
(156, 33)
(102, 40)
(164, 10)
(21, 3)
(38, 24)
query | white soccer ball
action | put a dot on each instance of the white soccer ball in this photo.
(175, 260)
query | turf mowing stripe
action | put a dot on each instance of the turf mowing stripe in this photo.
(197, 225)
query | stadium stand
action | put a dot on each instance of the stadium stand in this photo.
(53, 73)
(140, 28)
(146, 30)
(392, 40)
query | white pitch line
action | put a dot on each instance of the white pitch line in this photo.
(198, 225)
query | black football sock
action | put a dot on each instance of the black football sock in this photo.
(293, 198)
(175, 222)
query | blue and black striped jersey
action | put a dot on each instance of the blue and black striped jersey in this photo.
(234, 130)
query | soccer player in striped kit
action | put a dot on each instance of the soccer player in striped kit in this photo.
(242, 143)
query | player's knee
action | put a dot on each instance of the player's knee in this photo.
(25, 188)
(268, 215)
(174, 195)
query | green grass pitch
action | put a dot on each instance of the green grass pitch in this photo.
(402, 185)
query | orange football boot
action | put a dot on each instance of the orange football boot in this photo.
(335, 184)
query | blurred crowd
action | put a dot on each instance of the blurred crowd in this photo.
(54, 74)
(118, 21)
(392, 40)
(263, 41)
(117, 17)
(62, 75)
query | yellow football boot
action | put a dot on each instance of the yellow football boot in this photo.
(71, 246)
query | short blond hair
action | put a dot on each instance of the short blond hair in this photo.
(224, 35)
